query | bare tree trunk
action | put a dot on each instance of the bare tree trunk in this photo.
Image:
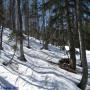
(44, 36)
(28, 38)
(70, 38)
(84, 79)
(1, 22)
(19, 17)
(1, 36)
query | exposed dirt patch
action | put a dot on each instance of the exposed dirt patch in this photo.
(64, 63)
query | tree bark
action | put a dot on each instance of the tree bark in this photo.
(84, 79)
(1, 36)
(22, 57)
(70, 38)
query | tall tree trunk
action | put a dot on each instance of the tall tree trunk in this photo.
(84, 79)
(1, 36)
(44, 35)
(22, 57)
(1, 22)
(28, 32)
(70, 38)
(27, 20)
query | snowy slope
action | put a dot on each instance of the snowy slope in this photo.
(36, 73)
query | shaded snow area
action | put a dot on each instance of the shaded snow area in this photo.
(37, 73)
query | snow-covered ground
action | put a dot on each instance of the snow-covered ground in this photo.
(36, 73)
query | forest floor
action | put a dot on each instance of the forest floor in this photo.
(37, 73)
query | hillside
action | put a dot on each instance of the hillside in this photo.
(37, 73)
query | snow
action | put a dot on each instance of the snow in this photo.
(36, 73)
